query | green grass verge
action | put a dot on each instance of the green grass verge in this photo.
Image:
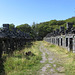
(21, 64)
(68, 58)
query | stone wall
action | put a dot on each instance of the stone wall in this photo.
(66, 41)
(65, 38)
(12, 40)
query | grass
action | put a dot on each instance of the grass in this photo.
(68, 58)
(21, 64)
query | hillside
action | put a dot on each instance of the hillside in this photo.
(42, 29)
(71, 20)
(49, 26)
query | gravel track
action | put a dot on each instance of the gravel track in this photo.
(50, 61)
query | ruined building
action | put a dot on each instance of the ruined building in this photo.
(62, 37)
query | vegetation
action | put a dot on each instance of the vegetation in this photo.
(21, 64)
(24, 28)
(40, 30)
(68, 58)
(11, 26)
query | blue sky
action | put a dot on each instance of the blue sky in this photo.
(29, 11)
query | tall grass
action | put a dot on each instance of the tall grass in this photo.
(21, 64)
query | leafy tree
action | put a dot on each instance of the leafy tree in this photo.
(11, 26)
(24, 27)
(53, 22)
(61, 22)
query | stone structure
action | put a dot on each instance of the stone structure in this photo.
(11, 40)
(64, 38)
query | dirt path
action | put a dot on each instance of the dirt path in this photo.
(52, 63)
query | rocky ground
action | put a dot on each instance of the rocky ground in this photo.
(52, 63)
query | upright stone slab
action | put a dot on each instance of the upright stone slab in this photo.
(50, 39)
(60, 41)
(55, 40)
(68, 44)
(63, 42)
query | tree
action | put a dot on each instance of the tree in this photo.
(24, 27)
(11, 26)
